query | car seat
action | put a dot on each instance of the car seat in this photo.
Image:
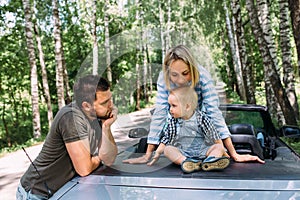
(244, 139)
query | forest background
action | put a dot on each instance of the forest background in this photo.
(251, 48)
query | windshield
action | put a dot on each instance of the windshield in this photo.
(243, 117)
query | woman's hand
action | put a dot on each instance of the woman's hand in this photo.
(247, 158)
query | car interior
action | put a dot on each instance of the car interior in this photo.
(245, 140)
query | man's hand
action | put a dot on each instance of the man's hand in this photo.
(113, 116)
(247, 158)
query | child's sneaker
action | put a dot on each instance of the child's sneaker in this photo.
(190, 165)
(213, 163)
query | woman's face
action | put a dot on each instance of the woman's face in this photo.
(180, 73)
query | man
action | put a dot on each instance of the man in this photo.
(79, 140)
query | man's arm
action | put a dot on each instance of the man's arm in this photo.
(108, 149)
(81, 158)
(79, 151)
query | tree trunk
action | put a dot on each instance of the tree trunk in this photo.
(68, 98)
(235, 54)
(168, 35)
(107, 45)
(265, 23)
(162, 25)
(294, 6)
(44, 77)
(95, 39)
(58, 57)
(288, 71)
(270, 65)
(247, 73)
(145, 61)
(150, 72)
(138, 55)
(33, 72)
(5, 124)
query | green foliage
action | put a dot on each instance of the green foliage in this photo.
(237, 117)
(294, 143)
(233, 97)
(28, 143)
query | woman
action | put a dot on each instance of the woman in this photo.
(180, 69)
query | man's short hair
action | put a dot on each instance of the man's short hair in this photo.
(86, 87)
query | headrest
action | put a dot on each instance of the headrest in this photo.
(246, 129)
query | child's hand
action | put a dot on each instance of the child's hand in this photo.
(140, 160)
(154, 159)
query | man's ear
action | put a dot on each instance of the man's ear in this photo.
(86, 106)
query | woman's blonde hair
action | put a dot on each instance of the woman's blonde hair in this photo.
(183, 53)
(186, 95)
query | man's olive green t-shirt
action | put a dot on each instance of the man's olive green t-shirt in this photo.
(53, 162)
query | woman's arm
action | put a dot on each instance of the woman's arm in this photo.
(160, 149)
(209, 102)
(158, 121)
(159, 116)
(237, 157)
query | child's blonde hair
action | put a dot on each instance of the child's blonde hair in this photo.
(181, 52)
(186, 95)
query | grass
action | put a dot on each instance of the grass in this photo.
(293, 144)
(14, 148)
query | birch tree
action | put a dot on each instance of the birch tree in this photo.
(269, 65)
(95, 38)
(235, 53)
(168, 37)
(247, 72)
(106, 42)
(162, 27)
(145, 60)
(294, 6)
(44, 76)
(265, 24)
(285, 44)
(29, 29)
(58, 56)
(139, 50)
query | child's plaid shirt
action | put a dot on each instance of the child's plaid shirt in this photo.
(205, 127)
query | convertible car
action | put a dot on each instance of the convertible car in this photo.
(253, 132)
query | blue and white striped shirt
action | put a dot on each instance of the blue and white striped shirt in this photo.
(208, 101)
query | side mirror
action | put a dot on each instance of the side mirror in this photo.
(138, 133)
(290, 131)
